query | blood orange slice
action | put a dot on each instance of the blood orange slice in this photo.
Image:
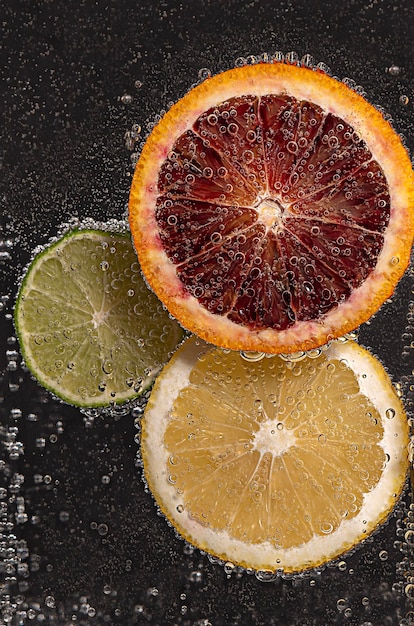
(272, 209)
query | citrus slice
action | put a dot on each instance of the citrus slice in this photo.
(272, 209)
(275, 465)
(90, 330)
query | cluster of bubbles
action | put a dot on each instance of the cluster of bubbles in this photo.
(14, 552)
(6, 247)
(291, 58)
(20, 564)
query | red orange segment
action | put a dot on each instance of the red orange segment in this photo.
(349, 251)
(188, 227)
(196, 170)
(262, 300)
(315, 286)
(233, 128)
(289, 132)
(216, 275)
(359, 200)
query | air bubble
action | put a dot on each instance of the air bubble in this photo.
(252, 357)
(266, 576)
(126, 98)
(204, 73)
(188, 549)
(251, 136)
(394, 70)
(333, 142)
(102, 529)
(195, 576)
(248, 156)
(107, 367)
(326, 528)
(240, 61)
(307, 60)
(292, 57)
(404, 100)
(215, 238)
(324, 68)
(153, 591)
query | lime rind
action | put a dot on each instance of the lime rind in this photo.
(90, 331)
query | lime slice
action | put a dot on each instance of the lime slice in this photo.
(90, 330)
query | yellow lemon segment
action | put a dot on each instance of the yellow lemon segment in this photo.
(275, 465)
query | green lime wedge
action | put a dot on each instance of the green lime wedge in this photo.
(89, 328)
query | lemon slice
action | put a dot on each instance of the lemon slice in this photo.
(90, 330)
(275, 465)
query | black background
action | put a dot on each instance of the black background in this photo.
(92, 549)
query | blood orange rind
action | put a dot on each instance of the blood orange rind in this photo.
(333, 97)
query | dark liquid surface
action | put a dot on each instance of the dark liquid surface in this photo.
(83, 541)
